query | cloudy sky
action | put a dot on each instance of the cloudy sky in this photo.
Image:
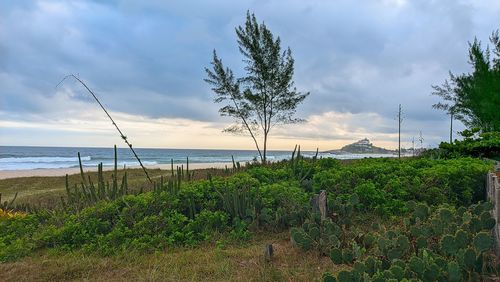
(146, 59)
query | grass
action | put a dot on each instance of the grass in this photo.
(234, 262)
(46, 191)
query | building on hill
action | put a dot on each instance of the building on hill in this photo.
(361, 146)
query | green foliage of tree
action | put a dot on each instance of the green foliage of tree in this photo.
(485, 145)
(474, 98)
(265, 96)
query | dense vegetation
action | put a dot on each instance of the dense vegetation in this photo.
(485, 145)
(274, 198)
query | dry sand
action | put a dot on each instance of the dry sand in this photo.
(4, 174)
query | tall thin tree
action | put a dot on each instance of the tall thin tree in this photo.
(473, 98)
(265, 96)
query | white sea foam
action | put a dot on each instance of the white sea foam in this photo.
(125, 163)
(42, 159)
(70, 164)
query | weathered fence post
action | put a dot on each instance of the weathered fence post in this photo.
(319, 204)
(268, 252)
(493, 195)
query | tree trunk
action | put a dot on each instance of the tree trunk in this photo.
(264, 159)
(451, 128)
(399, 132)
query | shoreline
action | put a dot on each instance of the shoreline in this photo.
(47, 172)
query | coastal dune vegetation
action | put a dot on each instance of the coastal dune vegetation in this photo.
(412, 218)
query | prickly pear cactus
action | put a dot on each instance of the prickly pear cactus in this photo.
(483, 241)
(336, 255)
(448, 245)
(442, 244)
(328, 277)
(321, 235)
(421, 212)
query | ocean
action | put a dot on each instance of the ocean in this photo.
(25, 158)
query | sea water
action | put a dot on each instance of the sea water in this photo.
(24, 157)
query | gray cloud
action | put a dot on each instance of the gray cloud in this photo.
(148, 58)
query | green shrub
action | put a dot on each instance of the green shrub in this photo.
(15, 237)
(485, 145)
(385, 185)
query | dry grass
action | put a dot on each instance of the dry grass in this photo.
(236, 262)
(47, 190)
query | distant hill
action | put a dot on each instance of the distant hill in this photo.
(362, 146)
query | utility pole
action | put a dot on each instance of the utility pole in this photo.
(400, 120)
(421, 139)
(413, 145)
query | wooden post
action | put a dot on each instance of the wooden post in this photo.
(496, 193)
(322, 204)
(319, 204)
(268, 252)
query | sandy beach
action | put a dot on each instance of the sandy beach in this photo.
(4, 174)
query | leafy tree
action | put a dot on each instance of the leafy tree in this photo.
(265, 96)
(474, 98)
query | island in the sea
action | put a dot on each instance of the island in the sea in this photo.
(363, 146)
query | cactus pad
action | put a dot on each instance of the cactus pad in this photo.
(483, 241)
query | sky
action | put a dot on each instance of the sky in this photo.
(145, 60)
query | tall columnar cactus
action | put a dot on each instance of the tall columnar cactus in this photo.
(240, 203)
(89, 193)
(297, 164)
